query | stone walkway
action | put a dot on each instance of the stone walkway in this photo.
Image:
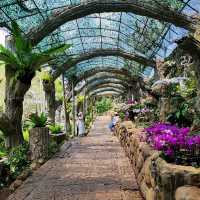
(93, 168)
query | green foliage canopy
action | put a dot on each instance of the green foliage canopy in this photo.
(103, 105)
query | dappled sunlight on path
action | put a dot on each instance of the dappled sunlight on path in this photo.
(93, 168)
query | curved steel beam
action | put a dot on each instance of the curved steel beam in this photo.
(96, 83)
(103, 53)
(109, 94)
(104, 85)
(109, 78)
(112, 70)
(120, 92)
(69, 13)
(103, 80)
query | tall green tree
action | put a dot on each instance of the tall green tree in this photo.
(21, 63)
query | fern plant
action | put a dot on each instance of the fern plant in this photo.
(55, 129)
(36, 120)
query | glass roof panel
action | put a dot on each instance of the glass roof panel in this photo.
(127, 31)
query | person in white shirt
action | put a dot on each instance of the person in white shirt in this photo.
(80, 124)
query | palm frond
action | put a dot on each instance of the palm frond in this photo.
(8, 57)
(24, 58)
(21, 44)
(39, 59)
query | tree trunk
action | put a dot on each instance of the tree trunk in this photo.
(68, 125)
(49, 89)
(14, 97)
(164, 108)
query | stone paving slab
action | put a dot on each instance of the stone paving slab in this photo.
(93, 168)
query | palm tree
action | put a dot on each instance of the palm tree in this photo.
(20, 67)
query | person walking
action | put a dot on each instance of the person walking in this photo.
(80, 125)
(114, 120)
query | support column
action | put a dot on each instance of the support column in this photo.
(49, 89)
(64, 106)
(74, 131)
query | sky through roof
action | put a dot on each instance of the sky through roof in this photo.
(127, 31)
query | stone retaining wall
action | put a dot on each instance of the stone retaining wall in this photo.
(158, 180)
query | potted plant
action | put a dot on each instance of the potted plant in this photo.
(39, 136)
(36, 120)
(56, 133)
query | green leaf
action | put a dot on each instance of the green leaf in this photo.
(55, 129)
(8, 57)
(21, 44)
(24, 59)
(39, 59)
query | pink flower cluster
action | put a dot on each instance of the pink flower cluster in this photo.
(130, 101)
(172, 140)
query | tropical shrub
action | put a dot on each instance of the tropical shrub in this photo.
(25, 59)
(103, 105)
(176, 144)
(3, 151)
(59, 89)
(53, 147)
(26, 135)
(80, 99)
(46, 76)
(137, 107)
(55, 129)
(18, 159)
(122, 115)
(88, 119)
(36, 120)
(68, 106)
(188, 88)
(130, 101)
(181, 116)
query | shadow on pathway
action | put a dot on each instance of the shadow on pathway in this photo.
(93, 168)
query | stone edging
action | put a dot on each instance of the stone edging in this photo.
(158, 180)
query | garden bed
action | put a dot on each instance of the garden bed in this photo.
(158, 180)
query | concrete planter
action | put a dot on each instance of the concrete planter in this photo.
(58, 138)
(39, 142)
(158, 180)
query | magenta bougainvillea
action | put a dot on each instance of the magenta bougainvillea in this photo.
(175, 143)
(130, 101)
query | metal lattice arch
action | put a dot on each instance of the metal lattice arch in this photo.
(145, 28)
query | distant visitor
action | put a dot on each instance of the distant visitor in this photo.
(80, 125)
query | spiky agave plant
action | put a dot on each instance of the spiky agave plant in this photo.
(24, 58)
